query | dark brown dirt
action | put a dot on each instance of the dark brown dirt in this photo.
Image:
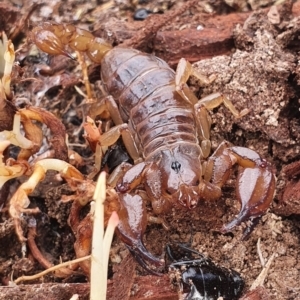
(260, 71)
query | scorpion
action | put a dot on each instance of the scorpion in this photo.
(166, 131)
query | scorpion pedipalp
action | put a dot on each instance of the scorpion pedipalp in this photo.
(132, 225)
(255, 187)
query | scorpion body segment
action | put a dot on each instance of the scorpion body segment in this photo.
(166, 131)
(144, 86)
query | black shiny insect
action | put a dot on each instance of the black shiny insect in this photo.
(201, 279)
(114, 156)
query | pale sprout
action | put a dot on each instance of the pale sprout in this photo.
(19, 202)
(11, 169)
(101, 242)
(14, 136)
(7, 59)
(3, 46)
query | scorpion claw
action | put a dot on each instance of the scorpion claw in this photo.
(132, 225)
(249, 228)
(141, 252)
(255, 191)
(145, 258)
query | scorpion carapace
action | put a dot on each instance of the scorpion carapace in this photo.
(166, 131)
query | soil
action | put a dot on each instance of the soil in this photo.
(254, 54)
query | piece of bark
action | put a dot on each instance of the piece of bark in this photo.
(46, 291)
(260, 293)
(288, 190)
(215, 38)
(125, 285)
(124, 275)
(154, 288)
(153, 24)
(144, 288)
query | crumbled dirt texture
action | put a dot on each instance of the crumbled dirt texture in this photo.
(260, 71)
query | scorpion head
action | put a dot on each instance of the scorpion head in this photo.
(179, 174)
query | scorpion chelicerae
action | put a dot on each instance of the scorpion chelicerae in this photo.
(166, 130)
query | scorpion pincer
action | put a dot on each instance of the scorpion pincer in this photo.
(166, 130)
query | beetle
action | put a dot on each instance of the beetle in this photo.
(166, 131)
(201, 278)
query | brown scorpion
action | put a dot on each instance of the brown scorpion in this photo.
(166, 130)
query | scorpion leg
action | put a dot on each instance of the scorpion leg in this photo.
(109, 104)
(255, 182)
(204, 121)
(118, 173)
(183, 72)
(216, 99)
(121, 128)
(110, 137)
